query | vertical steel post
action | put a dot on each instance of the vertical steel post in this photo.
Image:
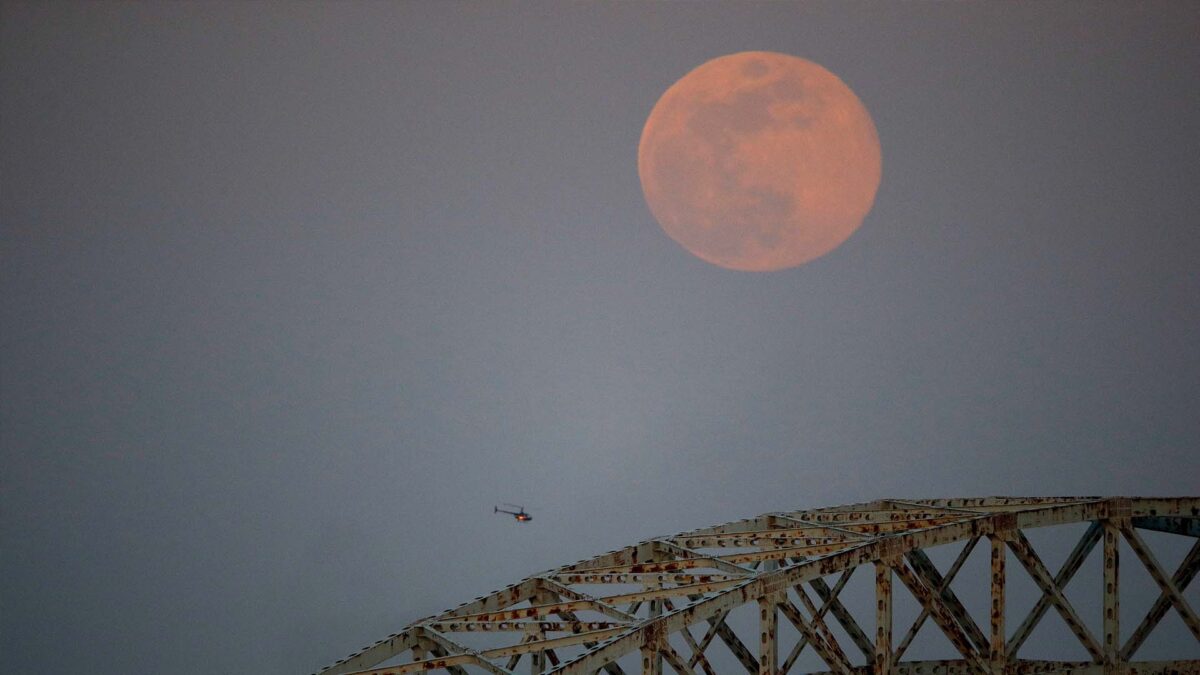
(651, 660)
(768, 632)
(652, 641)
(883, 618)
(656, 660)
(998, 657)
(1112, 598)
(537, 659)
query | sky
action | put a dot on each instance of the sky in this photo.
(294, 293)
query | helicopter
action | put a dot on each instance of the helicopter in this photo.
(520, 515)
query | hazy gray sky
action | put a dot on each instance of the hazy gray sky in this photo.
(294, 293)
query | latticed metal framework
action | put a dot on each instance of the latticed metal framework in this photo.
(677, 594)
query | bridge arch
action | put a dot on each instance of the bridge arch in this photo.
(655, 595)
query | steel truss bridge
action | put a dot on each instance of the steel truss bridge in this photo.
(676, 594)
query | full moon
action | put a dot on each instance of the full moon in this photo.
(759, 161)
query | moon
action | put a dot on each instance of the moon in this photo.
(759, 161)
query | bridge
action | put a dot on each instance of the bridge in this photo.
(755, 594)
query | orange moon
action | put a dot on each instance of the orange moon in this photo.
(759, 161)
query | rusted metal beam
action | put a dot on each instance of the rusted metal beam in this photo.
(444, 644)
(828, 650)
(629, 555)
(786, 666)
(669, 550)
(1052, 593)
(768, 634)
(379, 652)
(887, 526)
(514, 659)
(882, 661)
(817, 621)
(699, 648)
(825, 527)
(555, 591)
(881, 516)
(436, 663)
(674, 660)
(505, 597)
(520, 626)
(664, 566)
(1112, 597)
(721, 629)
(656, 610)
(537, 663)
(995, 504)
(640, 578)
(1032, 666)
(1065, 573)
(783, 553)
(443, 647)
(924, 568)
(952, 509)
(672, 591)
(1187, 527)
(1070, 513)
(651, 662)
(777, 537)
(843, 615)
(531, 612)
(1182, 577)
(697, 652)
(554, 643)
(997, 655)
(480, 658)
(1188, 507)
(939, 612)
(735, 645)
(1165, 583)
(1029, 559)
(763, 522)
(944, 583)
(537, 659)
(562, 591)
